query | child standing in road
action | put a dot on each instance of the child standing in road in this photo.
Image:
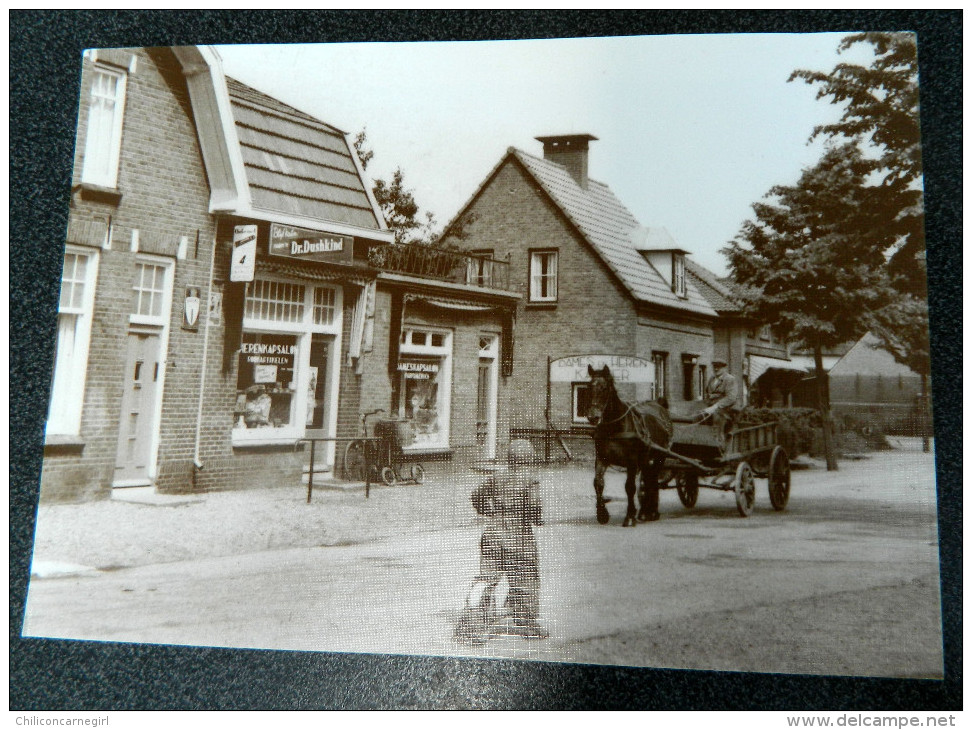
(510, 500)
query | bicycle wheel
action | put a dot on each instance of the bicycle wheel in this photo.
(354, 461)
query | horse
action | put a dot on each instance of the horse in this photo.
(623, 436)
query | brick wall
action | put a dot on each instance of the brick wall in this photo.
(593, 314)
(165, 196)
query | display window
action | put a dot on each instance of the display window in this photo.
(425, 371)
(286, 378)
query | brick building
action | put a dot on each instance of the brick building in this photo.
(597, 287)
(231, 288)
(139, 233)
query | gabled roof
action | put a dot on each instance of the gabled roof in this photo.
(716, 292)
(610, 229)
(296, 164)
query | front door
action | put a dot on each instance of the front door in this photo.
(139, 402)
(486, 409)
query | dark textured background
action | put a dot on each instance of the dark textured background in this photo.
(45, 50)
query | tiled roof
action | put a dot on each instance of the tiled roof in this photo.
(610, 229)
(716, 292)
(296, 164)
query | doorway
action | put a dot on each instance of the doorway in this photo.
(136, 425)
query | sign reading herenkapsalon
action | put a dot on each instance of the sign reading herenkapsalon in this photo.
(302, 243)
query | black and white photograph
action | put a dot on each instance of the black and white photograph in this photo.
(599, 351)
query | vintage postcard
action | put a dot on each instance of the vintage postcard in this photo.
(597, 350)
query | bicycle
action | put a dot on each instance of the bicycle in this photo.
(359, 453)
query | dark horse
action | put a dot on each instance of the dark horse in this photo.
(623, 435)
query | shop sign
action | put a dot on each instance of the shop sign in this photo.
(418, 369)
(625, 369)
(190, 310)
(304, 244)
(243, 261)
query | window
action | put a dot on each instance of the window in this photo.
(425, 371)
(660, 386)
(73, 333)
(543, 276)
(286, 380)
(480, 267)
(678, 274)
(150, 293)
(106, 106)
(700, 386)
(581, 397)
(689, 377)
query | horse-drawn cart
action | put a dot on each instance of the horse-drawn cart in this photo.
(702, 457)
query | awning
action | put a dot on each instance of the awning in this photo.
(758, 366)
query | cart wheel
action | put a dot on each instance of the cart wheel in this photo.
(687, 486)
(354, 461)
(779, 479)
(388, 475)
(418, 473)
(744, 485)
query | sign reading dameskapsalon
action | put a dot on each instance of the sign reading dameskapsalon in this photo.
(304, 244)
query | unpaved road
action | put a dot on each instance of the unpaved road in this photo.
(844, 582)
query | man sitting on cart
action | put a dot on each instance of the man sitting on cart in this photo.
(720, 400)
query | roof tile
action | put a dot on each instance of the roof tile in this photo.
(609, 227)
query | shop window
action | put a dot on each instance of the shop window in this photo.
(543, 276)
(581, 401)
(424, 369)
(106, 105)
(266, 381)
(678, 274)
(74, 315)
(285, 377)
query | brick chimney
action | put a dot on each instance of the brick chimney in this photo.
(569, 150)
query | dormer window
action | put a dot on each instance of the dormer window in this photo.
(678, 274)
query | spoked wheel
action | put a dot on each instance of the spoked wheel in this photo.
(687, 486)
(418, 473)
(744, 485)
(388, 475)
(779, 478)
(354, 461)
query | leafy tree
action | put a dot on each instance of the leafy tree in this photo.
(811, 262)
(881, 114)
(397, 201)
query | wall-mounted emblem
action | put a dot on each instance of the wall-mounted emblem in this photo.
(190, 310)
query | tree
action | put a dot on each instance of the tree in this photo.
(397, 201)
(811, 263)
(881, 115)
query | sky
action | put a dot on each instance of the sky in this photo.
(692, 129)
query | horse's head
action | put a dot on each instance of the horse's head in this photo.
(602, 392)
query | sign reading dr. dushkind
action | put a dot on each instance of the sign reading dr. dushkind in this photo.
(625, 369)
(301, 243)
